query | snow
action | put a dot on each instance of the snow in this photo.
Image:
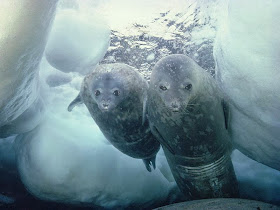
(78, 41)
(247, 57)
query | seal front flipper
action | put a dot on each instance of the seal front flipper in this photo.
(159, 137)
(78, 100)
(144, 116)
(147, 164)
(150, 162)
(226, 113)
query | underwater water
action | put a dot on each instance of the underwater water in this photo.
(52, 158)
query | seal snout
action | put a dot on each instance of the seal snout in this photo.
(175, 106)
(105, 106)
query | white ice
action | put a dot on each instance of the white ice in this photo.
(24, 29)
(67, 159)
(78, 41)
(27, 121)
(256, 181)
(8, 154)
(247, 56)
(150, 57)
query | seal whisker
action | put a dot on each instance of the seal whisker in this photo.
(193, 161)
(193, 99)
(110, 96)
(186, 111)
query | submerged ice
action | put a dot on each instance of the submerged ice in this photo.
(75, 166)
(247, 57)
(22, 46)
(78, 41)
(67, 159)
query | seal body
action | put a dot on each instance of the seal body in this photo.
(115, 95)
(188, 116)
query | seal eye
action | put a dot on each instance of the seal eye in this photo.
(116, 93)
(97, 93)
(188, 87)
(163, 87)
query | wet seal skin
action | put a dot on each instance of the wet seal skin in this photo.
(116, 95)
(189, 117)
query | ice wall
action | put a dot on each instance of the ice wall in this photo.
(247, 53)
(78, 41)
(27, 121)
(23, 36)
(256, 181)
(73, 167)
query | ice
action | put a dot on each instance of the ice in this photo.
(122, 13)
(74, 166)
(163, 166)
(58, 79)
(256, 181)
(67, 158)
(78, 41)
(7, 154)
(27, 121)
(247, 58)
(68, 4)
(151, 57)
(6, 199)
(23, 37)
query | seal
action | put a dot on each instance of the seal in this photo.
(189, 117)
(115, 95)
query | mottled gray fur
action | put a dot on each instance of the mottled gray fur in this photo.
(187, 116)
(115, 95)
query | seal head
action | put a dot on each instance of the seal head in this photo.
(107, 91)
(115, 95)
(186, 113)
(175, 86)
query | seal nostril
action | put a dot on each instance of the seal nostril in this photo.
(174, 105)
(105, 106)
